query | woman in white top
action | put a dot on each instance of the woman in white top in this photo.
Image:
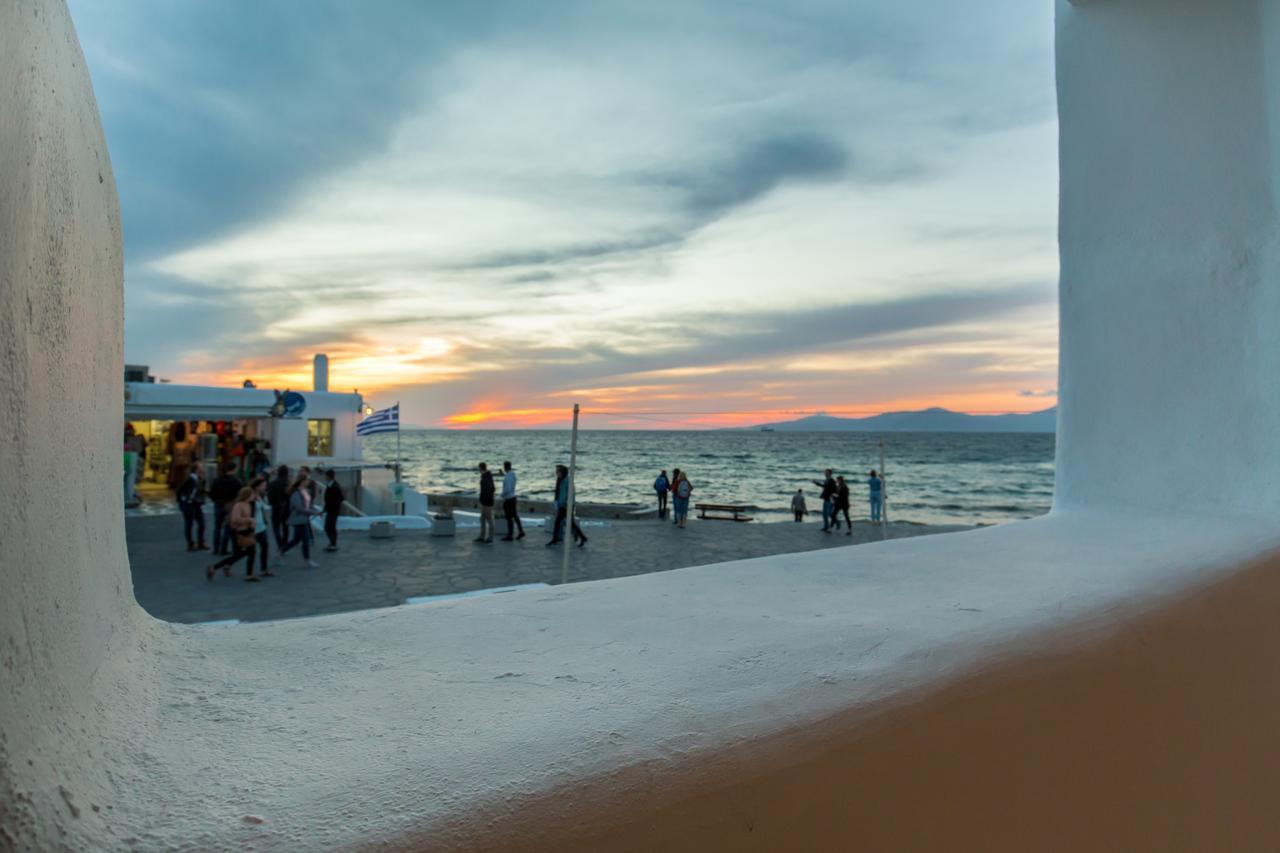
(260, 523)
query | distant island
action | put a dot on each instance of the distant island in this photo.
(925, 420)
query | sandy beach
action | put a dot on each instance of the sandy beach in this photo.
(369, 573)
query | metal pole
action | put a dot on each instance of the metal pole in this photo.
(884, 497)
(568, 521)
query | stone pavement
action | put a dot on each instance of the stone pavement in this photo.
(367, 573)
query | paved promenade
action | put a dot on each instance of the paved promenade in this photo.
(366, 573)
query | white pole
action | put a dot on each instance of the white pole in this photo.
(400, 508)
(568, 521)
(884, 497)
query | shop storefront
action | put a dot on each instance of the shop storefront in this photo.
(171, 427)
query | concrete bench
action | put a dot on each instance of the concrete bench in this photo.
(723, 512)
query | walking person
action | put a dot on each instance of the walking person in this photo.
(681, 490)
(240, 525)
(301, 511)
(278, 497)
(562, 511)
(509, 503)
(675, 478)
(486, 505)
(223, 492)
(333, 500)
(842, 505)
(875, 484)
(260, 523)
(191, 502)
(313, 486)
(798, 506)
(663, 487)
(828, 500)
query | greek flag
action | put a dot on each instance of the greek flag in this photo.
(383, 420)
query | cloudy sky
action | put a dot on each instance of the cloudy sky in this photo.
(490, 210)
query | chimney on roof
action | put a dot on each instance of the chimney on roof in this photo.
(321, 373)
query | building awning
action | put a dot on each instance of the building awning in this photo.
(193, 413)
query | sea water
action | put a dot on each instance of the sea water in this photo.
(943, 478)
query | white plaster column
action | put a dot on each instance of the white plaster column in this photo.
(1170, 362)
(74, 646)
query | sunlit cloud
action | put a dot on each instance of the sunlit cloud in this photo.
(491, 212)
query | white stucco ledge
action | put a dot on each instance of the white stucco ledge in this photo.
(1100, 679)
(554, 718)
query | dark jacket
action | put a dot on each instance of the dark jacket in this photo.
(842, 497)
(828, 488)
(191, 491)
(661, 485)
(486, 489)
(224, 489)
(278, 492)
(333, 497)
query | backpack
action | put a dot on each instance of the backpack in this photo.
(683, 490)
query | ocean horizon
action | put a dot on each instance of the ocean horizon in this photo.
(933, 478)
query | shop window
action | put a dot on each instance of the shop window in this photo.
(320, 437)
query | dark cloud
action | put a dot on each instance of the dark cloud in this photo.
(759, 167)
(570, 252)
(217, 113)
(702, 341)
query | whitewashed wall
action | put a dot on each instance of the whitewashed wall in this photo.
(77, 655)
(1169, 390)
(1099, 679)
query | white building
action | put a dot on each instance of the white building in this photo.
(184, 423)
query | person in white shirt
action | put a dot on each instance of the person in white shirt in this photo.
(260, 524)
(509, 503)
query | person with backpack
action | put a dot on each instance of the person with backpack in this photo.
(663, 487)
(680, 501)
(829, 490)
(191, 502)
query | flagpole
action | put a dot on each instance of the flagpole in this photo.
(568, 522)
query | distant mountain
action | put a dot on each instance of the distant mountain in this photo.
(926, 420)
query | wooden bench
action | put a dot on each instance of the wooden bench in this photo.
(727, 512)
